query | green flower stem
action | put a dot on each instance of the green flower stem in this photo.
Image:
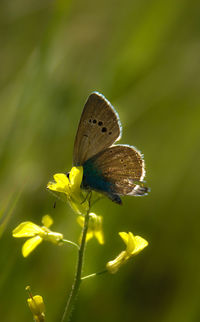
(94, 274)
(77, 280)
(70, 242)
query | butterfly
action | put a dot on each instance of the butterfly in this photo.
(112, 169)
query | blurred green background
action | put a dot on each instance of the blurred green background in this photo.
(144, 56)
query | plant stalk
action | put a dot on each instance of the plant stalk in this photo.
(77, 280)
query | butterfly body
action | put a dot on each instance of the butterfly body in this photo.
(93, 179)
(113, 170)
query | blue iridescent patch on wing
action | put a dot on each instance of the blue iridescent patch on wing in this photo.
(93, 178)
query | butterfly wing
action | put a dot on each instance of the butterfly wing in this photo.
(99, 128)
(116, 171)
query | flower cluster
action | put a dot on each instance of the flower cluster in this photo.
(69, 186)
(94, 227)
(36, 305)
(134, 245)
(37, 234)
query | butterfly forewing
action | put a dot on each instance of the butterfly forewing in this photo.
(99, 128)
(123, 167)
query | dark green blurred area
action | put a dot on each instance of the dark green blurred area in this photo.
(144, 56)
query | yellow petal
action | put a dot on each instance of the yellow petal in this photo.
(100, 237)
(140, 244)
(89, 235)
(61, 183)
(80, 220)
(125, 237)
(131, 243)
(30, 245)
(52, 186)
(129, 240)
(75, 177)
(47, 221)
(26, 229)
(134, 243)
(61, 178)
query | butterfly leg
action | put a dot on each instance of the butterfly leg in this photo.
(88, 196)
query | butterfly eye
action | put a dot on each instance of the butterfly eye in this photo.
(68, 175)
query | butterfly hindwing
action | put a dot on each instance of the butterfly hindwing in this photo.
(115, 171)
(99, 128)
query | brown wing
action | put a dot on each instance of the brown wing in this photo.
(123, 167)
(99, 128)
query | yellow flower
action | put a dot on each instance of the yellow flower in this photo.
(36, 305)
(37, 234)
(134, 245)
(94, 227)
(71, 188)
